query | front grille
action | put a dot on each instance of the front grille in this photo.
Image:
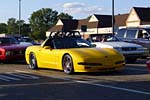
(90, 64)
(129, 49)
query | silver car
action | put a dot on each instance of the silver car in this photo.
(129, 50)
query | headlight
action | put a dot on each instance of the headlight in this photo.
(8, 53)
(118, 48)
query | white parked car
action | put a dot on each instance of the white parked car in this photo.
(129, 50)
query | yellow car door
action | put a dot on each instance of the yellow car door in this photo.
(47, 58)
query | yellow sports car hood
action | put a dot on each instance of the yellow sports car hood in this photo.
(94, 52)
(96, 55)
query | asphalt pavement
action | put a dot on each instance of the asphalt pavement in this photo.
(18, 82)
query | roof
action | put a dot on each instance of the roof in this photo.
(56, 28)
(120, 19)
(68, 24)
(103, 21)
(103, 17)
(143, 13)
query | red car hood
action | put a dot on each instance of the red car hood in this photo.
(13, 46)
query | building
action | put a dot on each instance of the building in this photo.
(138, 16)
(120, 20)
(96, 24)
(102, 24)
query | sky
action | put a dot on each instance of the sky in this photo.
(79, 9)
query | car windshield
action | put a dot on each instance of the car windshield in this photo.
(99, 37)
(121, 33)
(63, 43)
(26, 40)
(8, 40)
(104, 38)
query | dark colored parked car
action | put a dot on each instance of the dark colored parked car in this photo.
(138, 35)
(11, 50)
(26, 41)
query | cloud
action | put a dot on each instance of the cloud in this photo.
(81, 8)
(73, 5)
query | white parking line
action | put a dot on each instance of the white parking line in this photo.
(113, 87)
(25, 76)
(29, 76)
(16, 76)
(106, 86)
(7, 77)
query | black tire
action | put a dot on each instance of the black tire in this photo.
(67, 64)
(32, 61)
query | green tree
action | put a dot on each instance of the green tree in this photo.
(41, 21)
(24, 28)
(3, 28)
(88, 17)
(64, 16)
(12, 27)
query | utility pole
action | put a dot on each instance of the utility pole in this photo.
(113, 23)
(19, 17)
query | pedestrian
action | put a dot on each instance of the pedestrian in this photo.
(103, 39)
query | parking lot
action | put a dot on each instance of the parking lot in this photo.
(18, 82)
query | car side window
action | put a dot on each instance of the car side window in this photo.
(140, 34)
(131, 33)
(145, 34)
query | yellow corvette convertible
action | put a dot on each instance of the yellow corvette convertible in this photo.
(67, 51)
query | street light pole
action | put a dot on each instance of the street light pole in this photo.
(113, 23)
(19, 17)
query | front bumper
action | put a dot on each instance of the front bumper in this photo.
(12, 58)
(98, 67)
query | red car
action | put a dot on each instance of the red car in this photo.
(148, 64)
(11, 50)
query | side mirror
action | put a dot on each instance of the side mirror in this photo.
(47, 47)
